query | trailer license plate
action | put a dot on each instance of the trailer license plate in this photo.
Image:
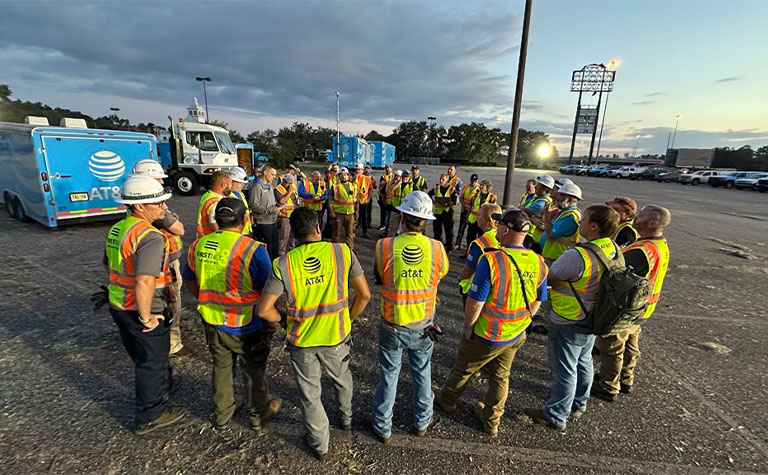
(78, 196)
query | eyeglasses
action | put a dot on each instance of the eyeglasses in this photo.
(160, 204)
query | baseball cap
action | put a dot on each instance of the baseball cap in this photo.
(474, 177)
(415, 167)
(343, 170)
(627, 203)
(406, 173)
(513, 217)
(288, 178)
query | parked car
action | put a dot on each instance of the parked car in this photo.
(701, 176)
(648, 174)
(762, 185)
(568, 169)
(750, 181)
(625, 171)
(594, 170)
(667, 177)
(727, 179)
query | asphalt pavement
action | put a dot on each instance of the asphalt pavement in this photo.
(699, 404)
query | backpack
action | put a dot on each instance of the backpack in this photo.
(621, 297)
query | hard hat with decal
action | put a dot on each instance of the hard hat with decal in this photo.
(417, 204)
(150, 168)
(141, 189)
(571, 190)
(546, 180)
(238, 174)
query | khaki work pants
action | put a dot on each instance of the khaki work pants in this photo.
(347, 223)
(618, 357)
(285, 240)
(473, 356)
(175, 308)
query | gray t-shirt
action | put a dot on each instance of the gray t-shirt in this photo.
(276, 286)
(165, 224)
(149, 261)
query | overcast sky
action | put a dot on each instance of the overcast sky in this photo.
(273, 63)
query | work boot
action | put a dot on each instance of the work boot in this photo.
(601, 393)
(423, 432)
(171, 416)
(183, 352)
(257, 422)
(439, 401)
(368, 423)
(538, 417)
(479, 409)
(576, 414)
(625, 388)
(239, 401)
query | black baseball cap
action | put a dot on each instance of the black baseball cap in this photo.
(513, 217)
(473, 177)
(415, 167)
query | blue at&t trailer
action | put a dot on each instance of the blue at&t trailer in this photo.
(382, 153)
(355, 152)
(62, 175)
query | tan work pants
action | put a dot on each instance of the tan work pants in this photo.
(473, 356)
(347, 223)
(175, 308)
(618, 357)
(285, 240)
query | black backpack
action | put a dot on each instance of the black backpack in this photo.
(621, 297)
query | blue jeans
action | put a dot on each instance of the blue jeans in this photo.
(570, 361)
(392, 341)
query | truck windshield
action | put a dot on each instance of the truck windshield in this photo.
(225, 143)
(202, 140)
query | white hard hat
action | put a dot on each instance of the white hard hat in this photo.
(150, 168)
(141, 189)
(546, 180)
(399, 173)
(343, 170)
(238, 174)
(563, 181)
(571, 190)
(417, 204)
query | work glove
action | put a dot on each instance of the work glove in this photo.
(100, 298)
(433, 332)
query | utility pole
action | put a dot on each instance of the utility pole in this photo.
(338, 129)
(674, 134)
(512, 152)
(429, 136)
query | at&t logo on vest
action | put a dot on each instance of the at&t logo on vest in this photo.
(413, 256)
(312, 266)
(106, 165)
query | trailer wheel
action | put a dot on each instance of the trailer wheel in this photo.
(18, 211)
(10, 205)
(186, 183)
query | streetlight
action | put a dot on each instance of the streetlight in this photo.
(543, 152)
(674, 134)
(204, 79)
(611, 66)
(338, 129)
(432, 120)
(634, 149)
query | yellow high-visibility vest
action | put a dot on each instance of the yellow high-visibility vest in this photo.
(344, 197)
(657, 252)
(553, 248)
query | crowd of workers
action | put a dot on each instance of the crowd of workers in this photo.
(541, 261)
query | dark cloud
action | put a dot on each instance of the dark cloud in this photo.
(390, 60)
(728, 79)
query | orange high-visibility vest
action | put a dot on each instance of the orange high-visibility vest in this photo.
(453, 182)
(466, 193)
(122, 241)
(286, 211)
(657, 252)
(312, 203)
(390, 191)
(364, 185)
(206, 201)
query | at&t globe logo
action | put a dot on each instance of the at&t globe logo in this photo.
(106, 166)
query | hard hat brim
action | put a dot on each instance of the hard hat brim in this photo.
(239, 181)
(141, 201)
(429, 217)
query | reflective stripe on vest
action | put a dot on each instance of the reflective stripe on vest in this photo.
(344, 197)
(553, 248)
(486, 241)
(290, 205)
(174, 245)
(453, 182)
(440, 208)
(400, 192)
(527, 199)
(364, 185)
(504, 315)
(466, 193)
(419, 183)
(316, 278)
(309, 188)
(476, 204)
(657, 252)
(221, 263)
(247, 228)
(203, 225)
(389, 196)
(410, 266)
(535, 232)
(122, 241)
(564, 303)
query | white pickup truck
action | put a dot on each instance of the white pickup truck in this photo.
(625, 171)
(701, 176)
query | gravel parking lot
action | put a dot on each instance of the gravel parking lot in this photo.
(699, 405)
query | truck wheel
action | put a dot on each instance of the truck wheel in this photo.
(19, 212)
(639, 178)
(728, 184)
(694, 182)
(186, 183)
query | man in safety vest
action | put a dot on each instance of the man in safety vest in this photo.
(479, 246)
(344, 208)
(465, 198)
(221, 186)
(561, 232)
(419, 182)
(315, 277)
(482, 196)
(535, 209)
(172, 227)
(529, 194)
(507, 288)
(453, 178)
(136, 257)
(409, 267)
(626, 207)
(313, 194)
(239, 179)
(226, 271)
(389, 198)
(402, 189)
(286, 197)
(384, 181)
(570, 338)
(649, 257)
(364, 193)
(444, 198)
